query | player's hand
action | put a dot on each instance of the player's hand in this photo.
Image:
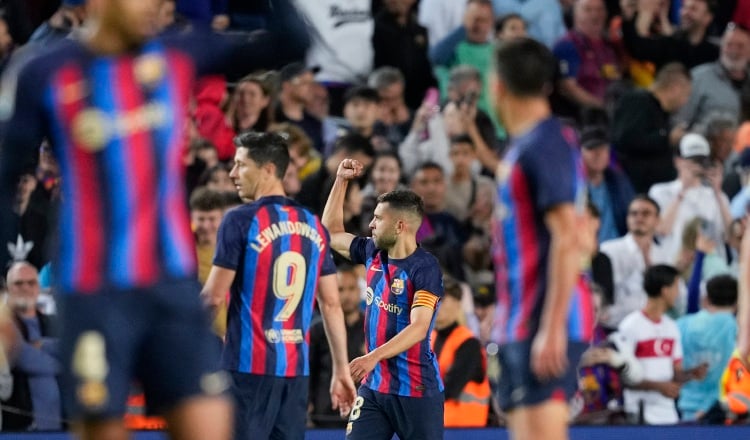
(549, 358)
(361, 366)
(343, 393)
(349, 169)
(699, 372)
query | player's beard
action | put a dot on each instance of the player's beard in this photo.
(385, 241)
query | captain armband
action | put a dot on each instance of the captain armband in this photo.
(424, 298)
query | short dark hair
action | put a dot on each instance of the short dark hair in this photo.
(722, 290)
(526, 67)
(389, 154)
(646, 198)
(361, 92)
(265, 148)
(403, 200)
(204, 199)
(658, 277)
(462, 139)
(429, 165)
(354, 143)
(452, 288)
(502, 20)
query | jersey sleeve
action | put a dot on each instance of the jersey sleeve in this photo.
(360, 249)
(428, 277)
(329, 267)
(553, 174)
(230, 242)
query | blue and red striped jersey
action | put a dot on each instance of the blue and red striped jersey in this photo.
(391, 287)
(278, 250)
(118, 125)
(540, 171)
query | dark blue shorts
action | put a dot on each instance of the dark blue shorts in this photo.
(519, 387)
(377, 416)
(269, 407)
(158, 336)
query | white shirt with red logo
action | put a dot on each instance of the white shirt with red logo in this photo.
(657, 347)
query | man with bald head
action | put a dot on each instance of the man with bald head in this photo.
(36, 392)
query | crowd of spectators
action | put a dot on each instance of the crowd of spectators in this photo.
(655, 92)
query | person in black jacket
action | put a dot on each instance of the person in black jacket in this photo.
(35, 402)
(641, 132)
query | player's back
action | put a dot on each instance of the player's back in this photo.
(115, 125)
(285, 250)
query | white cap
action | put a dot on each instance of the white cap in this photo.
(693, 145)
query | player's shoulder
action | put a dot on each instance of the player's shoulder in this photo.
(423, 260)
(632, 321)
(244, 213)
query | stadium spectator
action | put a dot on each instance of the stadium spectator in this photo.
(708, 337)
(654, 339)
(690, 45)
(206, 211)
(210, 122)
(35, 404)
(631, 255)
(589, 63)
(544, 19)
(695, 193)
(462, 363)
(717, 85)
(296, 85)
(385, 176)
(253, 101)
(440, 17)
(463, 182)
(361, 108)
(509, 27)
(642, 134)
(217, 178)
(303, 156)
(441, 233)
(315, 186)
(608, 188)
(399, 41)
(395, 117)
(270, 372)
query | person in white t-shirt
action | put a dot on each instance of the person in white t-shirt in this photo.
(654, 339)
(695, 193)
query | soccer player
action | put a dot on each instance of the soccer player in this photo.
(113, 105)
(273, 256)
(402, 391)
(543, 320)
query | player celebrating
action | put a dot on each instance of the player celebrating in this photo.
(402, 391)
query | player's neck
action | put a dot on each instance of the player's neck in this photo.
(522, 114)
(272, 189)
(103, 41)
(402, 249)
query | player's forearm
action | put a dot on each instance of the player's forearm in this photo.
(414, 333)
(648, 385)
(564, 260)
(333, 213)
(335, 328)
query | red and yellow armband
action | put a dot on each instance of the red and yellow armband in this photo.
(424, 298)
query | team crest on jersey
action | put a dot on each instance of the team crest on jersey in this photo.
(90, 129)
(149, 69)
(397, 286)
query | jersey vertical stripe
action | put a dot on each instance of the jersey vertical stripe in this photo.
(242, 303)
(259, 277)
(84, 246)
(141, 262)
(174, 223)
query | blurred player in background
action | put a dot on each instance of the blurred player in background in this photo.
(113, 106)
(544, 321)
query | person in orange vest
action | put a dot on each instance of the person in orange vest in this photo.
(462, 362)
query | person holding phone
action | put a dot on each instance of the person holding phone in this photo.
(695, 193)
